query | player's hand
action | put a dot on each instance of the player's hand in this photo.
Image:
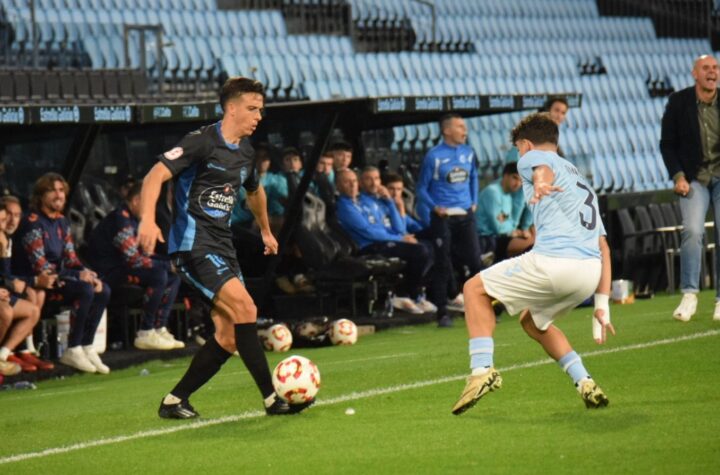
(383, 192)
(271, 244)
(4, 295)
(18, 286)
(440, 211)
(543, 189)
(148, 235)
(682, 187)
(87, 276)
(525, 234)
(601, 319)
(45, 280)
(410, 238)
(97, 285)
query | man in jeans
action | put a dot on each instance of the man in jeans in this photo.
(690, 146)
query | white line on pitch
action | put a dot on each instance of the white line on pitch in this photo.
(346, 397)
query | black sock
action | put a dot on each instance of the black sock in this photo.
(206, 363)
(253, 356)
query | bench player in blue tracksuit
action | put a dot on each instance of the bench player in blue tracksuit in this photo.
(448, 186)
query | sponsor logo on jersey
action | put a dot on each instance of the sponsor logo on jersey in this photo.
(217, 201)
(173, 154)
(457, 175)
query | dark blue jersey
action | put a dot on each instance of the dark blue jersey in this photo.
(42, 243)
(113, 243)
(207, 174)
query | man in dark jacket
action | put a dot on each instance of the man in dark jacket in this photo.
(690, 146)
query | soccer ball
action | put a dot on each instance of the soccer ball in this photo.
(277, 338)
(296, 380)
(343, 332)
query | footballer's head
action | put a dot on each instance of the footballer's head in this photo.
(535, 131)
(243, 102)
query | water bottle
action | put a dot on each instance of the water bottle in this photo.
(24, 385)
(389, 309)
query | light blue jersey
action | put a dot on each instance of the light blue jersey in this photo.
(568, 222)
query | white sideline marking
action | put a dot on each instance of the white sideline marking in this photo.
(347, 397)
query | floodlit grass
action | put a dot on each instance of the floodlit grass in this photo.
(663, 415)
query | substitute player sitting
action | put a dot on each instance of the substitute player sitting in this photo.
(570, 260)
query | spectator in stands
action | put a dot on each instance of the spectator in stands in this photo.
(325, 166)
(293, 168)
(18, 316)
(365, 220)
(342, 155)
(448, 186)
(323, 183)
(497, 221)
(34, 290)
(557, 108)
(44, 244)
(114, 253)
(690, 146)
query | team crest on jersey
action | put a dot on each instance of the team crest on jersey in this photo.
(173, 154)
(33, 217)
(457, 175)
(217, 201)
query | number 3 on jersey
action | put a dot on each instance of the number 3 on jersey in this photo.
(589, 225)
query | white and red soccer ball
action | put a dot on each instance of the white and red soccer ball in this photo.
(343, 332)
(296, 380)
(277, 338)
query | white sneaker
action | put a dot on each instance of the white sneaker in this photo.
(95, 360)
(425, 305)
(76, 358)
(716, 313)
(166, 335)
(687, 308)
(406, 305)
(152, 341)
(457, 304)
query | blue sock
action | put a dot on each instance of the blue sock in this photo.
(481, 352)
(572, 365)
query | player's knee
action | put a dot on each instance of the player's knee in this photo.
(474, 286)
(34, 314)
(244, 311)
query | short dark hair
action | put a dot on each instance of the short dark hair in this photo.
(290, 152)
(551, 101)
(134, 190)
(5, 200)
(44, 184)
(538, 128)
(237, 86)
(369, 168)
(510, 169)
(443, 122)
(391, 177)
(339, 146)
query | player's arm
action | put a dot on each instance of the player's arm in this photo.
(543, 178)
(601, 320)
(148, 230)
(257, 204)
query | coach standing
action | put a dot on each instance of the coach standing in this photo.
(448, 185)
(690, 146)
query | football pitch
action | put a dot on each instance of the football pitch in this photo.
(662, 378)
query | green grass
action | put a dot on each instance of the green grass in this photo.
(663, 415)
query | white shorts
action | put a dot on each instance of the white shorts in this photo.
(547, 286)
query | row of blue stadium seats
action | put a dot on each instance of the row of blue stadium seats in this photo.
(384, 9)
(591, 48)
(468, 28)
(625, 174)
(200, 5)
(640, 64)
(174, 22)
(681, 81)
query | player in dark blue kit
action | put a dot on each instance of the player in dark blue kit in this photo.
(116, 256)
(208, 167)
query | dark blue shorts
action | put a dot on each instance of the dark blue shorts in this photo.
(206, 271)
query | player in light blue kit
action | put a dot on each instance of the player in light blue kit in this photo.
(570, 261)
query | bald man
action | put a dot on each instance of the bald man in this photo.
(690, 146)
